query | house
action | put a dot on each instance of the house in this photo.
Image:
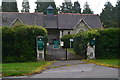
(57, 25)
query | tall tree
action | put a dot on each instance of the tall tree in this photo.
(43, 5)
(87, 9)
(9, 6)
(77, 8)
(25, 5)
(117, 14)
(107, 15)
(66, 7)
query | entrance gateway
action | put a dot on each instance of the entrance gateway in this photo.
(40, 46)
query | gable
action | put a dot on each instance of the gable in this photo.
(16, 22)
(69, 21)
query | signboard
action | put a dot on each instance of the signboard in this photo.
(71, 39)
(61, 43)
(56, 44)
(92, 42)
(40, 44)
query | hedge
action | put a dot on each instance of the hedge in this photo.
(66, 39)
(106, 43)
(81, 40)
(19, 42)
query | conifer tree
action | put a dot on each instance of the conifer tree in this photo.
(107, 15)
(66, 7)
(87, 9)
(25, 5)
(9, 6)
(77, 8)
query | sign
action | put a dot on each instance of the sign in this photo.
(40, 44)
(61, 43)
(71, 39)
(56, 44)
(92, 42)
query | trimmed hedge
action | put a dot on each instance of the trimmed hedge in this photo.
(106, 43)
(19, 42)
(66, 39)
(81, 40)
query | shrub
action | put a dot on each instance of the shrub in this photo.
(66, 39)
(106, 43)
(19, 42)
(81, 40)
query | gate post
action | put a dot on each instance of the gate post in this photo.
(40, 43)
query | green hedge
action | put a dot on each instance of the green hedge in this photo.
(106, 43)
(66, 39)
(19, 42)
(81, 40)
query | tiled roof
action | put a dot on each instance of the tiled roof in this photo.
(69, 21)
(60, 21)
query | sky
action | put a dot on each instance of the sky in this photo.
(95, 5)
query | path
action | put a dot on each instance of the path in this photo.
(76, 69)
(60, 54)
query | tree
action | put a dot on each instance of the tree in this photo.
(66, 7)
(77, 8)
(107, 15)
(25, 5)
(117, 14)
(87, 9)
(42, 6)
(9, 6)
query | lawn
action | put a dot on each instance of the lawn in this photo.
(21, 69)
(106, 62)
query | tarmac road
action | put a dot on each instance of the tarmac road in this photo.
(78, 71)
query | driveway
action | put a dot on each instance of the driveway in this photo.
(59, 54)
(77, 69)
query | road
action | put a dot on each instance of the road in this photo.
(76, 69)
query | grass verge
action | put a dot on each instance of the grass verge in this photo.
(22, 69)
(105, 62)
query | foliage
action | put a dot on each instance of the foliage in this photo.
(106, 43)
(81, 40)
(25, 5)
(19, 42)
(66, 39)
(67, 7)
(42, 6)
(87, 9)
(77, 8)
(9, 6)
(20, 69)
(110, 15)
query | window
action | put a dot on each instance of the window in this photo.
(68, 32)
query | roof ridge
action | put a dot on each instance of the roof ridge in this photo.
(22, 12)
(77, 14)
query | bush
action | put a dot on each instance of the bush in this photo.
(106, 43)
(81, 40)
(66, 39)
(19, 42)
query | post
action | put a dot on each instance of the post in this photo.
(66, 53)
(71, 40)
(40, 48)
(70, 44)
